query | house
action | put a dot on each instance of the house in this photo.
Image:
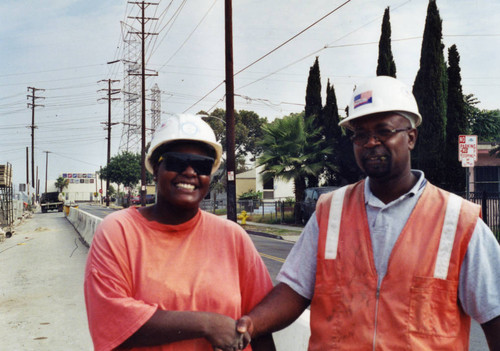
(272, 190)
(485, 175)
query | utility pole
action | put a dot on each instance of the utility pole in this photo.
(27, 173)
(37, 186)
(32, 105)
(101, 182)
(230, 143)
(143, 35)
(46, 168)
(111, 92)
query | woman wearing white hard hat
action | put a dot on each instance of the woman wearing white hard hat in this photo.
(171, 276)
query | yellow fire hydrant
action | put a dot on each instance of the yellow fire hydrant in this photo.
(243, 216)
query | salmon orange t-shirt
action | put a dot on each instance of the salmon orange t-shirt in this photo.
(136, 266)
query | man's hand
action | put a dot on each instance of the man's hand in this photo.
(222, 334)
(244, 325)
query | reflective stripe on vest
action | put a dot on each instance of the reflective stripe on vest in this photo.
(332, 235)
(447, 236)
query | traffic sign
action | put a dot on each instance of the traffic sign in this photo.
(467, 161)
(467, 147)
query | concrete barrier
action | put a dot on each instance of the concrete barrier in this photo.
(294, 337)
(84, 223)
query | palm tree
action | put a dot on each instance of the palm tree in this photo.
(61, 183)
(290, 154)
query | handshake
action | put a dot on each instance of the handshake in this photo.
(226, 334)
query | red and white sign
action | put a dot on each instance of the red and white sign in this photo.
(467, 147)
(467, 162)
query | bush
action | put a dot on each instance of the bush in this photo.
(251, 195)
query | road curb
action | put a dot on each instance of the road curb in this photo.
(267, 235)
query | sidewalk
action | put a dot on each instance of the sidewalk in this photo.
(41, 287)
(291, 229)
(294, 231)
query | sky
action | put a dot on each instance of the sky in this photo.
(65, 48)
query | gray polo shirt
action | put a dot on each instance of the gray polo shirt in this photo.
(479, 286)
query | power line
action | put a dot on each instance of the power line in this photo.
(190, 35)
(273, 50)
(292, 38)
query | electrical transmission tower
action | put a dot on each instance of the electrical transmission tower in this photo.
(131, 131)
(142, 19)
(155, 108)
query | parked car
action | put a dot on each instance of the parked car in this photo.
(311, 196)
(150, 199)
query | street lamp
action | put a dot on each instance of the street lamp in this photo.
(208, 116)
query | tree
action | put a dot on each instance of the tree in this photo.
(386, 65)
(61, 183)
(430, 92)
(247, 130)
(285, 155)
(313, 91)
(312, 113)
(483, 123)
(486, 124)
(456, 124)
(124, 168)
(332, 133)
(495, 151)
(111, 190)
(342, 165)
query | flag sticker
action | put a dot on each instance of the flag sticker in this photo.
(363, 99)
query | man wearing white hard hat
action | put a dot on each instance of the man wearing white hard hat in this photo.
(391, 262)
(171, 276)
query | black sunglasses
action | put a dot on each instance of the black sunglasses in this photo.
(179, 161)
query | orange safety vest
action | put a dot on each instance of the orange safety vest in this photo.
(416, 306)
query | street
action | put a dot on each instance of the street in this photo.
(41, 287)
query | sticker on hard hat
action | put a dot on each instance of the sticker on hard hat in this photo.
(363, 99)
(189, 128)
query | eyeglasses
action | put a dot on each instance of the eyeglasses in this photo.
(179, 161)
(381, 135)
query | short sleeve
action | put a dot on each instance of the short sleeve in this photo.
(479, 289)
(113, 314)
(299, 269)
(255, 281)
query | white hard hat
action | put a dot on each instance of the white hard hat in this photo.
(184, 127)
(382, 94)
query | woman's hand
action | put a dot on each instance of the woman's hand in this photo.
(222, 334)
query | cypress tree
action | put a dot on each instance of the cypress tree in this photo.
(313, 91)
(313, 110)
(430, 92)
(386, 65)
(344, 169)
(456, 124)
(332, 133)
